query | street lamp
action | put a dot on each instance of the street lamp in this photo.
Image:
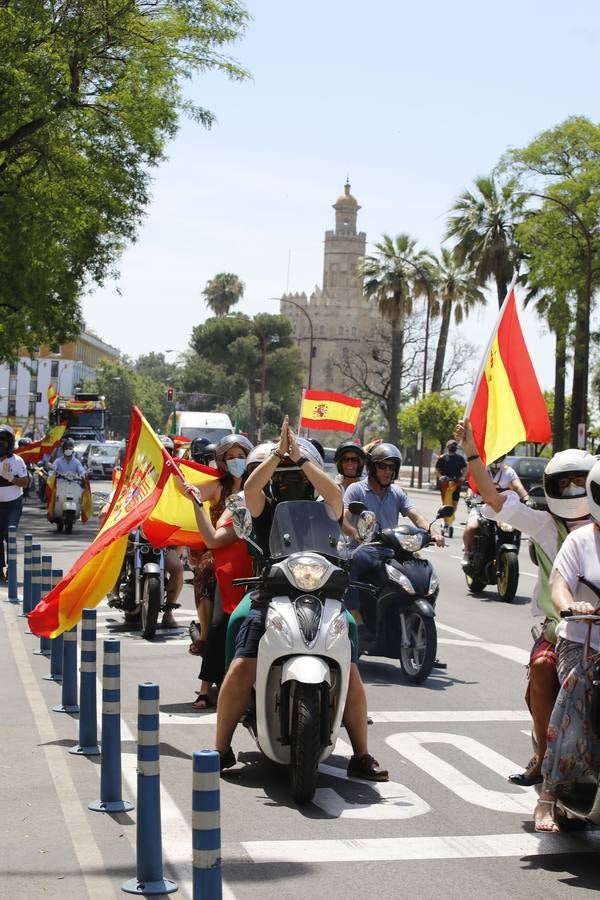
(311, 333)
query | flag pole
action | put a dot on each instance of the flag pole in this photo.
(486, 354)
(300, 412)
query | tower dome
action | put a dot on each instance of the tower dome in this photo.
(346, 209)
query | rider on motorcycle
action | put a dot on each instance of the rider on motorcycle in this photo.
(452, 466)
(202, 451)
(294, 471)
(388, 501)
(68, 464)
(349, 459)
(568, 509)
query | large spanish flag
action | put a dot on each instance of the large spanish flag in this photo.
(147, 470)
(33, 453)
(329, 411)
(507, 405)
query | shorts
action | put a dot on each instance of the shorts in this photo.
(542, 649)
(249, 635)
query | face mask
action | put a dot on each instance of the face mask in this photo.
(67, 453)
(236, 467)
(573, 491)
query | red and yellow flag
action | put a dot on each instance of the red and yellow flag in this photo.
(147, 470)
(52, 396)
(32, 453)
(172, 522)
(329, 411)
(507, 405)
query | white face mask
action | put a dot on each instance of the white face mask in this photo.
(67, 452)
(573, 490)
(236, 467)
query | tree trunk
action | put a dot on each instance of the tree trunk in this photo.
(393, 404)
(578, 413)
(501, 287)
(440, 353)
(252, 428)
(560, 365)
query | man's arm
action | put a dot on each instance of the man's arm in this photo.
(480, 474)
(421, 522)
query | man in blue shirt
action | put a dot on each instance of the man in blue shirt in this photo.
(388, 501)
(68, 462)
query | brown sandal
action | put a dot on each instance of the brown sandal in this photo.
(196, 648)
(206, 702)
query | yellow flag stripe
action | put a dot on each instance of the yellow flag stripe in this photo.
(504, 426)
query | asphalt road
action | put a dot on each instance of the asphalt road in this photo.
(448, 824)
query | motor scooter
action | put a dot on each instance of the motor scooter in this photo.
(494, 558)
(141, 590)
(304, 656)
(67, 501)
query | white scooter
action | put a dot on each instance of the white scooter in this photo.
(67, 504)
(304, 657)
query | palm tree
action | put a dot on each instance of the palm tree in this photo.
(387, 279)
(222, 292)
(457, 292)
(483, 225)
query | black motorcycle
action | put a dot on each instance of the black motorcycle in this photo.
(399, 611)
(142, 583)
(494, 558)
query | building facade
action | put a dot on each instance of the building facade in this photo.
(24, 383)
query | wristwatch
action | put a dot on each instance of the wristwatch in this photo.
(301, 461)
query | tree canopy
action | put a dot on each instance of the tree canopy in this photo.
(90, 93)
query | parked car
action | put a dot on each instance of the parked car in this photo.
(530, 470)
(82, 450)
(329, 464)
(101, 458)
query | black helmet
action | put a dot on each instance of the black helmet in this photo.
(67, 444)
(288, 481)
(8, 435)
(23, 442)
(198, 450)
(345, 447)
(382, 452)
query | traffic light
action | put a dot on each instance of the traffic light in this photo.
(170, 395)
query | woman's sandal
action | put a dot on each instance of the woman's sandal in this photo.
(554, 827)
(206, 702)
(196, 648)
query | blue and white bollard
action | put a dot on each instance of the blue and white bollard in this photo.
(27, 542)
(88, 740)
(41, 584)
(13, 593)
(56, 659)
(206, 827)
(110, 767)
(69, 702)
(149, 878)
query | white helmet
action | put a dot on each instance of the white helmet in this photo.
(571, 503)
(258, 454)
(592, 487)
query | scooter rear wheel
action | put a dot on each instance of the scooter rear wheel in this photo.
(151, 603)
(418, 657)
(306, 742)
(508, 576)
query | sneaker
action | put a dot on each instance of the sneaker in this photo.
(366, 767)
(168, 619)
(227, 759)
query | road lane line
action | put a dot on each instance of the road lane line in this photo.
(457, 632)
(475, 846)
(383, 717)
(529, 574)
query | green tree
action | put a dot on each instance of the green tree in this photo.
(482, 222)
(124, 388)
(437, 416)
(222, 292)
(457, 293)
(388, 276)
(90, 93)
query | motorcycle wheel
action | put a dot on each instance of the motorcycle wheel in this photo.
(306, 745)
(508, 576)
(69, 522)
(151, 603)
(418, 658)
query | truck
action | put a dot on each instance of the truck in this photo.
(192, 424)
(85, 414)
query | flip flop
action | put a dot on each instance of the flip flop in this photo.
(205, 699)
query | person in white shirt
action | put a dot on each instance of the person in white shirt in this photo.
(68, 464)
(504, 478)
(13, 478)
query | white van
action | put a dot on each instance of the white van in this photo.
(211, 425)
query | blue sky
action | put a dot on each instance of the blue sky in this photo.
(412, 101)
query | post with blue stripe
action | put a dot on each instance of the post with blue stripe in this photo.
(149, 844)
(56, 659)
(69, 702)
(110, 768)
(206, 827)
(88, 740)
(42, 584)
(13, 594)
(27, 542)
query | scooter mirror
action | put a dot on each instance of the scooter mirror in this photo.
(242, 522)
(445, 512)
(356, 507)
(367, 523)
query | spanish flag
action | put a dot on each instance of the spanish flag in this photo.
(52, 396)
(506, 405)
(329, 411)
(33, 453)
(147, 471)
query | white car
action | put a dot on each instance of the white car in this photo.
(102, 458)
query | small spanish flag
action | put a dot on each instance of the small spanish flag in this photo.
(329, 411)
(507, 405)
(52, 396)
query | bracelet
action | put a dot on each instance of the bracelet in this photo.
(301, 461)
(277, 454)
(474, 456)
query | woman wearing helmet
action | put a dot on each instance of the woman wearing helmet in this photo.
(13, 478)
(294, 470)
(568, 509)
(349, 459)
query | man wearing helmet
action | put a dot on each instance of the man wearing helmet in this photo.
(202, 451)
(13, 478)
(568, 509)
(68, 462)
(294, 471)
(388, 501)
(452, 466)
(504, 478)
(349, 460)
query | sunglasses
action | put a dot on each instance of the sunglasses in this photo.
(385, 466)
(577, 480)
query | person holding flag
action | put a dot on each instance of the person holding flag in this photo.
(13, 478)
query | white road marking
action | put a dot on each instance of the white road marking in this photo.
(529, 574)
(411, 746)
(476, 846)
(448, 715)
(464, 634)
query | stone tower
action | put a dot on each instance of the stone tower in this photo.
(343, 322)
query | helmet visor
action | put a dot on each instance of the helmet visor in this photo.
(566, 484)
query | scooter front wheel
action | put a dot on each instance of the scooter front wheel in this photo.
(69, 521)
(151, 603)
(306, 742)
(417, 656)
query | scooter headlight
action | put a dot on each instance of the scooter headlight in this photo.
(411, 542)
(337, 629)
(434, 583)
(399, 578)
(278, 627)
(308, 572)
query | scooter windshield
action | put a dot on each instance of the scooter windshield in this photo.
(301, 525)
